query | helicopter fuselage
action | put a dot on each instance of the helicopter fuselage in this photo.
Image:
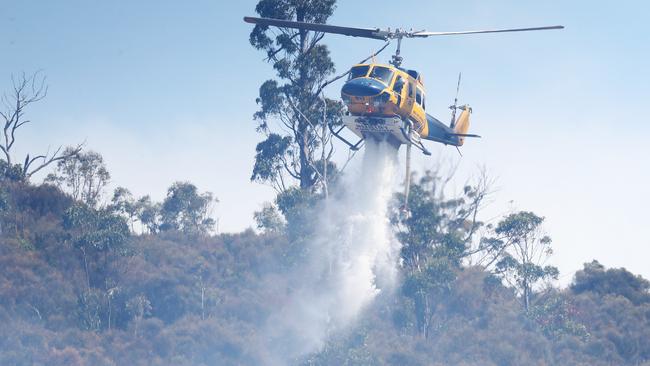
(388, 103)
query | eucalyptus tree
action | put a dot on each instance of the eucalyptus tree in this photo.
(84, 175)
(526, 250)
(186, 209)
(436, 237)
(293, 110)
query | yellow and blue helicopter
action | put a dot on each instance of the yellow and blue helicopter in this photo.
(387, 102)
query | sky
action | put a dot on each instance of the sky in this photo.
(165, 91)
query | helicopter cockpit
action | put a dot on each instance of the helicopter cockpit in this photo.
(358, 71)
(380, 73)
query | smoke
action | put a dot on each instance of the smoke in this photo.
(352, 259)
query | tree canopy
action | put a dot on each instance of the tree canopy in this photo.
(293, 111)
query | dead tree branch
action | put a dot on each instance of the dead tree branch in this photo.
(25, 91)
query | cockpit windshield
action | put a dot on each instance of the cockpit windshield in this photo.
(382, 74)
(358, 71)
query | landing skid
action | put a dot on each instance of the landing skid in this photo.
(415, 140)
(394, 129)
(353, 147)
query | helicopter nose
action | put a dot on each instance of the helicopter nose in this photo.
(363, 87)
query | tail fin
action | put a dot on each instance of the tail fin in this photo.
(462, 123)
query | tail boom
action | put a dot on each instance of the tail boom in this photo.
(450, 135)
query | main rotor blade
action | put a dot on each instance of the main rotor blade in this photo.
(429, 34)
(325, 28)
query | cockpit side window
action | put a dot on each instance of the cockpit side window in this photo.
(418, 96)
(358, 72)
(399, 85)
(382, 74)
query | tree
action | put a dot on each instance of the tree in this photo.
(269, 219)
(526, 251)
(614, 281)
(90, 306)
(4, 206)
(436, 237)
(96, 234)
(84, 175)
(10, 173)
(303, 64)
(149, 214)
(187, 210)
(139, 307)
(426, 287)
(439, 225)
(556, 314)
(124, 204)
(111, 292)
(298, 208)
(25, 91)
(271, 158)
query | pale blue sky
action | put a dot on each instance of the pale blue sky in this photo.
(165, 91)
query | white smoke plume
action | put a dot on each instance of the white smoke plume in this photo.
(353, 257)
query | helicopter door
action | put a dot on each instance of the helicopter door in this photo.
(399, 88)
(410, 98)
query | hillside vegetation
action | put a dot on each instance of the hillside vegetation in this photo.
(133, 282)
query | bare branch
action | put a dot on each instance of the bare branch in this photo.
(25, 91)
(47, 161)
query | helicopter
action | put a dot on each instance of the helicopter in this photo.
(386, 102)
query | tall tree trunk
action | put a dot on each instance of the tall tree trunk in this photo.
(306, 181)
(86, 268)
(526, 296)
(109, 313)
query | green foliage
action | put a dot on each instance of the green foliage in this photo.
(426, 287)
(90, 307)
(133, 210)
(595, 278)
(4, 200)
(124, 203)
(269, 219)
(438, 226)
(271, 155)
(436, 237)
(149, 213)
(302, 64)
(557, 316)
(84, 175)
(96, 234)
(526, 249)
(95, 230)
(296, 205)
(11, 172)
(138, 307)
(28, 210)
(187, 210)
(203, 300)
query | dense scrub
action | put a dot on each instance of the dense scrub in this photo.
(77, 287)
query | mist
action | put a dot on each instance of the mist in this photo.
(351, 259)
